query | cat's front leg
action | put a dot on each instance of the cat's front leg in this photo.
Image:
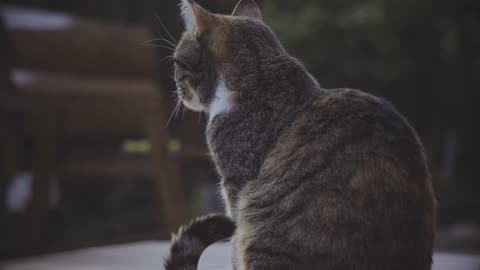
(226, 199)
(230, 192)
(235, 259)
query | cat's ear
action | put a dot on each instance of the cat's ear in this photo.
(197, 20)
(247, 8)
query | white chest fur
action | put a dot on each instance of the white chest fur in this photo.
(221, 102)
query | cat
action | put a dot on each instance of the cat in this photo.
(311, 178)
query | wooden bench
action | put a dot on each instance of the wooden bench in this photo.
(63, 76)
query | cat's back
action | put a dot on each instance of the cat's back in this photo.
(342, 106)
(346, 117)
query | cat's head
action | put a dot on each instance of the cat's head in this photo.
(215, 48)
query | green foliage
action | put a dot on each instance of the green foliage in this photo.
(420, 54)
(331, 36)
(369, 43)
(358, 43)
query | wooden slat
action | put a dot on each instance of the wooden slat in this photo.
(122, 165)
(115, 166)
(91, 105)
(87, 49)
(61, 85)
(77, 45)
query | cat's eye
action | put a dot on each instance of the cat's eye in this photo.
(182, 64)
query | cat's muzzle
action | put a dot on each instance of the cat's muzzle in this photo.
(184, 92)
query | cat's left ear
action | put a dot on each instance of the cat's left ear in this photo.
(197, 20)
(247, 8)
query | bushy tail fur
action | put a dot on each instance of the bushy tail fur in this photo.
(192, 239)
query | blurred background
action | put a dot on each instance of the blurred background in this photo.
(91, 155)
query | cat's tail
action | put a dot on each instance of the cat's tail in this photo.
(192, 239)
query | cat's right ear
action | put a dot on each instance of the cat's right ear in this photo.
(247, 8)
(197, 20)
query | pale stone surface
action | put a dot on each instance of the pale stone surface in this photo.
(30, 19)
(149, 256)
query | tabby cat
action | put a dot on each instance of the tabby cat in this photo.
(311, 178)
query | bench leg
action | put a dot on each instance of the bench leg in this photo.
(34, 226)
(168, 184)
(10, 165)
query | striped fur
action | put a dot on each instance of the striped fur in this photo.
(313, 178)
(192, 239)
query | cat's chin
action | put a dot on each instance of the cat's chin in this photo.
(194, 103)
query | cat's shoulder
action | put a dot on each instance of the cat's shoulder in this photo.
(353, 109)
(351, 101)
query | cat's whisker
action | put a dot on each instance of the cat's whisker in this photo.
(183, 113)
(179, 107)
(168, 42)
(166, 58)
(200, 116)
(149, 42)
(173, 93)
(166, 30)
(174, 44)
(161, 46)
(161, 38)
(174, 112)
